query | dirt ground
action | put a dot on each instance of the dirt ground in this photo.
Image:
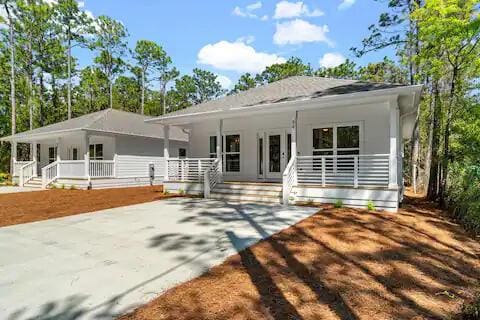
(23, 207)
(338, 264)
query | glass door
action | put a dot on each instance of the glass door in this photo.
(275, 144)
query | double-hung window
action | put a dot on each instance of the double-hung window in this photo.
(52, 154)
(96, 152)
(232, 153)
(213, 147)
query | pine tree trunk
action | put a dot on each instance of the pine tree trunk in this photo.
(428, 154)
(142, 108)
(41, 109)
(12, 82)
(110, 89)
(69, 75)
(415, 148)
(432, 192)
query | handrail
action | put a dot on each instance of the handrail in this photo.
(49, 174)
(26, 172)
(211, 177)
(289, 179)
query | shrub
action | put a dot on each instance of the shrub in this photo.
(370, 205)
(62, 186)
(72, 187)
(4, 177)
(53, 186)
(471, 311)
(339, 204)
(310, 202)
(165, 191)
(181, 191)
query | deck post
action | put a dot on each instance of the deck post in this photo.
(355, 172)
(393, 159)
(86, 155)
(58, 145)
(34, 158)
(166, 148)
(13, 157)
(219, 148)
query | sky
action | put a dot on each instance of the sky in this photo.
(231, 37)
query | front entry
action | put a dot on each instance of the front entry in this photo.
(273, 153)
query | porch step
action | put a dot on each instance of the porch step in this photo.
(244, 191)
(34, 183)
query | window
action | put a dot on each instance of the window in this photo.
(96, 152)
(182, 153)
(260, 156)
(336, 140)
(232, 153)
(213, 146)
(289, 147)
(52, 154)
(74, 154)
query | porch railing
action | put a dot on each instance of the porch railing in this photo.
(27, 172)
(188, 169)
(49, 174)
(71, 168)
(289, 179)
(212, 176)
(17, 165)
(102, 168)
(366, 170)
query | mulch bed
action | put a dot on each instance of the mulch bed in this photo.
(23, 207)
(338, 264)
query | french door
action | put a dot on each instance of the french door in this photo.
(273, 153)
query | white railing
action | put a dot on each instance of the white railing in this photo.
(71, 168)
(289, 179)
(49, 174)
(344, 170)
(27, 172)
(102, 168)
(212, 176)
(17, 165)
(189, 169)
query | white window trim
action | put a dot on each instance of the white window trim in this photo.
(335, 125)
(224, 152)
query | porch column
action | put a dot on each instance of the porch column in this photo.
(58, 145)
(86, 155)
(219, 147)
(394, 125)
(13, 157)
(34, 158)
(166, 148)
(294, 135)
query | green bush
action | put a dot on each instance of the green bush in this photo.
(4, 177)
(371, 205)
(464, 196)
(338, 204)
(72, 187)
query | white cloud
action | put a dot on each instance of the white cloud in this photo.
(225, 81)
(331, 60)
(81, 4)
(249, 11)
(285, 10)
(246, 39)
(236, 56)
(346, 4)
(299, 31)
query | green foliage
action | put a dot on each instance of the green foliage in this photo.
(62, 186)
(310, 202)
(73, 187)
(370, 205)
(293, 67)
(181, 191)
(4, 177)
(338, 204)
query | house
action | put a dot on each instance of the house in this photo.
(298, 139)
(108, 148)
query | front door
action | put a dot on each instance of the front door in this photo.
(275, 154)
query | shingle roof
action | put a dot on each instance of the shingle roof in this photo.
(290, 89)
(108, 120)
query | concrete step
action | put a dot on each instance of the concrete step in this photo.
(266, 192)
(250, 186)
(245, 197)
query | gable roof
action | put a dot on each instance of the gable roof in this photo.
(289, 89)
(108, 121)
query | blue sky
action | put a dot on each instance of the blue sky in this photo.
(232, 37)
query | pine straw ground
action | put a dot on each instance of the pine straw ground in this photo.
(338, 264)
(23, 207)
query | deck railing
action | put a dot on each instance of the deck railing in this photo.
(17, 165)
(366, 170)
(71, 168)
(27, 172)
(102, 168)
(212, 176)
(49, 174)
(289, 179)
(188, 169)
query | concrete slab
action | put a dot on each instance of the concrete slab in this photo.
(97, 266)
(15, 189)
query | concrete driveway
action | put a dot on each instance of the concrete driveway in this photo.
(15, 189)
(97, 266)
